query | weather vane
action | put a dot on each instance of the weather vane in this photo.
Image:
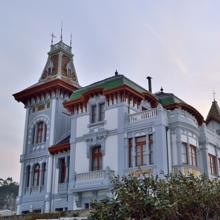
(61, 31)
(52, 37)
(214, 95)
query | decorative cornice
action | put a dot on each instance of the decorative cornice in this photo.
(189, 109)
(126, 90)
(55, 149)
(38, 89)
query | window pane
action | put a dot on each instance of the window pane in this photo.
(101, 111)
(93, 113)
(193, 155)
(150, 148)
(62, 170)
(140, 150)
(212, 164)
(130, 152)
(96, 163)
(184, 153)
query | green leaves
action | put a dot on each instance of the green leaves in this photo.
(175, 197)
(8, 193)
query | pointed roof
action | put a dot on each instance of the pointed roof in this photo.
(214, 113)
(60, 65)
(59, 73)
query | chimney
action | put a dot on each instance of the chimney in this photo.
(149, 83)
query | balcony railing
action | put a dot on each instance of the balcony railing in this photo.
(143, 115)
(93, 178)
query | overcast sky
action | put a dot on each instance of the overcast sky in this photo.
(176, 42)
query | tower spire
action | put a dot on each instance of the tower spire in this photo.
(70, 40)
(61, 32)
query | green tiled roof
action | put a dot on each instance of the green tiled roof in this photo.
(107, 84)
(168, 98)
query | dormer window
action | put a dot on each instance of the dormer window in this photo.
(49, 71)
(97, 113)
(93, 114)
(101, 111)
(69, 72)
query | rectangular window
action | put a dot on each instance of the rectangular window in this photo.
(193, 155)
(43, 174)
(185, 157)
(93, 113)
(101, 111)
(96, 163)
(62, 170)
(140, 151)
(150, 148)
(212, 164)
(130, 152)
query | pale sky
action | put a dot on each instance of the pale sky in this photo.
(176, 42)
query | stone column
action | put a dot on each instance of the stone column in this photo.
(31, 177)
(217, 163)
(50, 158)
(21, 186)
(40, 178)
(67, 169)
(147, 149)
(133, 152)
(49, 182)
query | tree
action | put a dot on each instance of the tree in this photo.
(176, 197)
(8, 193)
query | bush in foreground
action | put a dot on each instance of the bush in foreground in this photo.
(151, 198)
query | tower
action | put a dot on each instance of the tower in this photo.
(46, 123)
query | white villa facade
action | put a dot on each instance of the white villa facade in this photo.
(76, 138)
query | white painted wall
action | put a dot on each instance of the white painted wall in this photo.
(184, 138)
(82, 125)
(211, 149)
(192, 141)
(111, 116)
(81, 160)
(111, 153)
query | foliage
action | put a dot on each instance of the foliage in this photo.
(8, 193)
(174, 197)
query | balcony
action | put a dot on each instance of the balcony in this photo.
(93, 180)
(139, 116)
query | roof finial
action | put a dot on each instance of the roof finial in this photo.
(70, 40)
(161, 89)
(214, 95)
(52, 37)
(116, 72)
(61, 32)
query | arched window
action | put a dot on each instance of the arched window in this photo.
(28, 176)
(43, 174)
(39, 133)
(96, 163)
(36, 175)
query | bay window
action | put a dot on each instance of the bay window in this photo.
(143, 151)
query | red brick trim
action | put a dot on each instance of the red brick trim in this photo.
(55, 149)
